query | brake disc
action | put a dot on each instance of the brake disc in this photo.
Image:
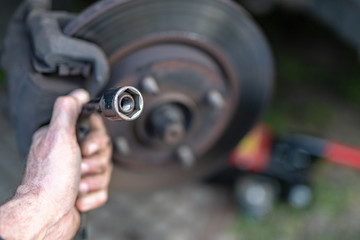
(205, 71)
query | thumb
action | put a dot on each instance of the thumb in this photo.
(67, 109)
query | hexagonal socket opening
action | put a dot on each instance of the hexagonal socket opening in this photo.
(129, 103)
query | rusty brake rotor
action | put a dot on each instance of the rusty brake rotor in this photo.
(205, 71)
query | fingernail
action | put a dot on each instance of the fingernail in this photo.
(92, 148)
(84, 168)
(80, 94)
(84, 188)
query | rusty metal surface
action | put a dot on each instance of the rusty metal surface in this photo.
(209, 67)
(190, 48)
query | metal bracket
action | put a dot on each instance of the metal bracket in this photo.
(56, 53)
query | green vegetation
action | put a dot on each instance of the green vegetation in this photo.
(311, 62)
(342, 78)
(312, 118)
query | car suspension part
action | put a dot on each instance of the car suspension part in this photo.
(204, 69)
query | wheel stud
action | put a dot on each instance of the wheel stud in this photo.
(150, 86)
(186, 156)
(215, 99)
(122, 145)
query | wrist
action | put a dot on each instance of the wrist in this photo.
(24, 216)
(40, 199)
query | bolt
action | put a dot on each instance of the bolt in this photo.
(186, 156)
(122, 145)
(215, 99)
(150, 85)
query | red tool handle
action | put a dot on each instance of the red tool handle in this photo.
(343, 155)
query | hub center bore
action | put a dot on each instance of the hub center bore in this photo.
(167, 123)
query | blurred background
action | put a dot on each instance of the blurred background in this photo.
(317, 92)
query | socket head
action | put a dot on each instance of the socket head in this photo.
(124, 103)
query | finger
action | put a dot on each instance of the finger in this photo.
(95, 141)
(38, 135)
(96, 164)
(91, 201)
(67, 109)
(96, 123)
(95, 182)
(66, 227)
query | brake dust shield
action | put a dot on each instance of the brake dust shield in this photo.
(205, 71)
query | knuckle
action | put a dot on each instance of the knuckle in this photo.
(102, 138)
(65, 103)
(105, 161)
(80, 205)
(105, 196)
(108, 174)
(108, 153)
(107, 140)
(110, 169)
(101, 169)
(96, 183)
(97, 117)
(37, 135)
(104, 182)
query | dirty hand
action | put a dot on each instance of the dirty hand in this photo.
(96, 166)
(44, 204)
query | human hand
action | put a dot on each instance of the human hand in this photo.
(43, 205)
(96, 166)
(65, 228)
(53, 164)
